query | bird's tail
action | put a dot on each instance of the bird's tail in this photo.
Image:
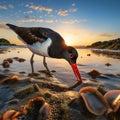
(13, 27)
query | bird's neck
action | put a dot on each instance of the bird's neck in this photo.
(57, 52)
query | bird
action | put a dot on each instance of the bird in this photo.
(47, 43)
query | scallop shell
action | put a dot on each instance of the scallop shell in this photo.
(35, 108)
(11, 115)
(94, 100)
(113, 99)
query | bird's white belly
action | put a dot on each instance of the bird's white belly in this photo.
(41, 48)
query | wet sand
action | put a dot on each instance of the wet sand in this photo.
(16, 94)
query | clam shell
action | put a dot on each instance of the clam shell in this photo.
(113, 99)
(36, 108)
(8, 114)
(45, 110)
(94, 100)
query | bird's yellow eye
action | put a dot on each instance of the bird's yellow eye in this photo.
(71, 56)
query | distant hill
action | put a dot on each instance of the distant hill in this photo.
(111, 44)
(4, 42)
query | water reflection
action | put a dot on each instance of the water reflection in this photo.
(87, 61)
(109, 53)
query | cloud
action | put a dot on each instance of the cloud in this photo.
(106, 35)
(62, 12)
(74, 21)
(5, 7)
(40, 20)
(28, 12)
(40, 8)
(66, 12)
(70, 22)
(10, 6)
(72, 10)
(49, 21)
(35, 20)
(73, 4)
(29, 20)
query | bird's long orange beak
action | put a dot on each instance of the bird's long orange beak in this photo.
(76, 72)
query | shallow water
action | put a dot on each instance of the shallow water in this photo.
(110, 76)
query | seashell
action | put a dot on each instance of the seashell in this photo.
(93, 100)
(11, 115)
(44, 110)
(16, 115)
(10, 80)
(36, 108)
(8, 114)
(113, 99)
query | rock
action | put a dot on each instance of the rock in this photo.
(25, 91)
(2, 76)
(107, 64)
(88, 54)
(22, 72)
(6, 64)
(74, 104)
(102, 90)
(10, 60)
(94, 73)
(13, 101)
(16, 58)
(21, 60)
(53, 71)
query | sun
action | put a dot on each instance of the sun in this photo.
(68, 41)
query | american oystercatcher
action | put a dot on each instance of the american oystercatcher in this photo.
(47, 43)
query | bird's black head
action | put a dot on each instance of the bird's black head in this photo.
(70, 54)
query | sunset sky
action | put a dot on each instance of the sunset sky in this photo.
(80, 22)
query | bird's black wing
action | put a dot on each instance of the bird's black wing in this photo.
(29, 35)
(35, 34)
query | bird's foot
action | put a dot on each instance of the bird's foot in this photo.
(33, 74)
(48, 73)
